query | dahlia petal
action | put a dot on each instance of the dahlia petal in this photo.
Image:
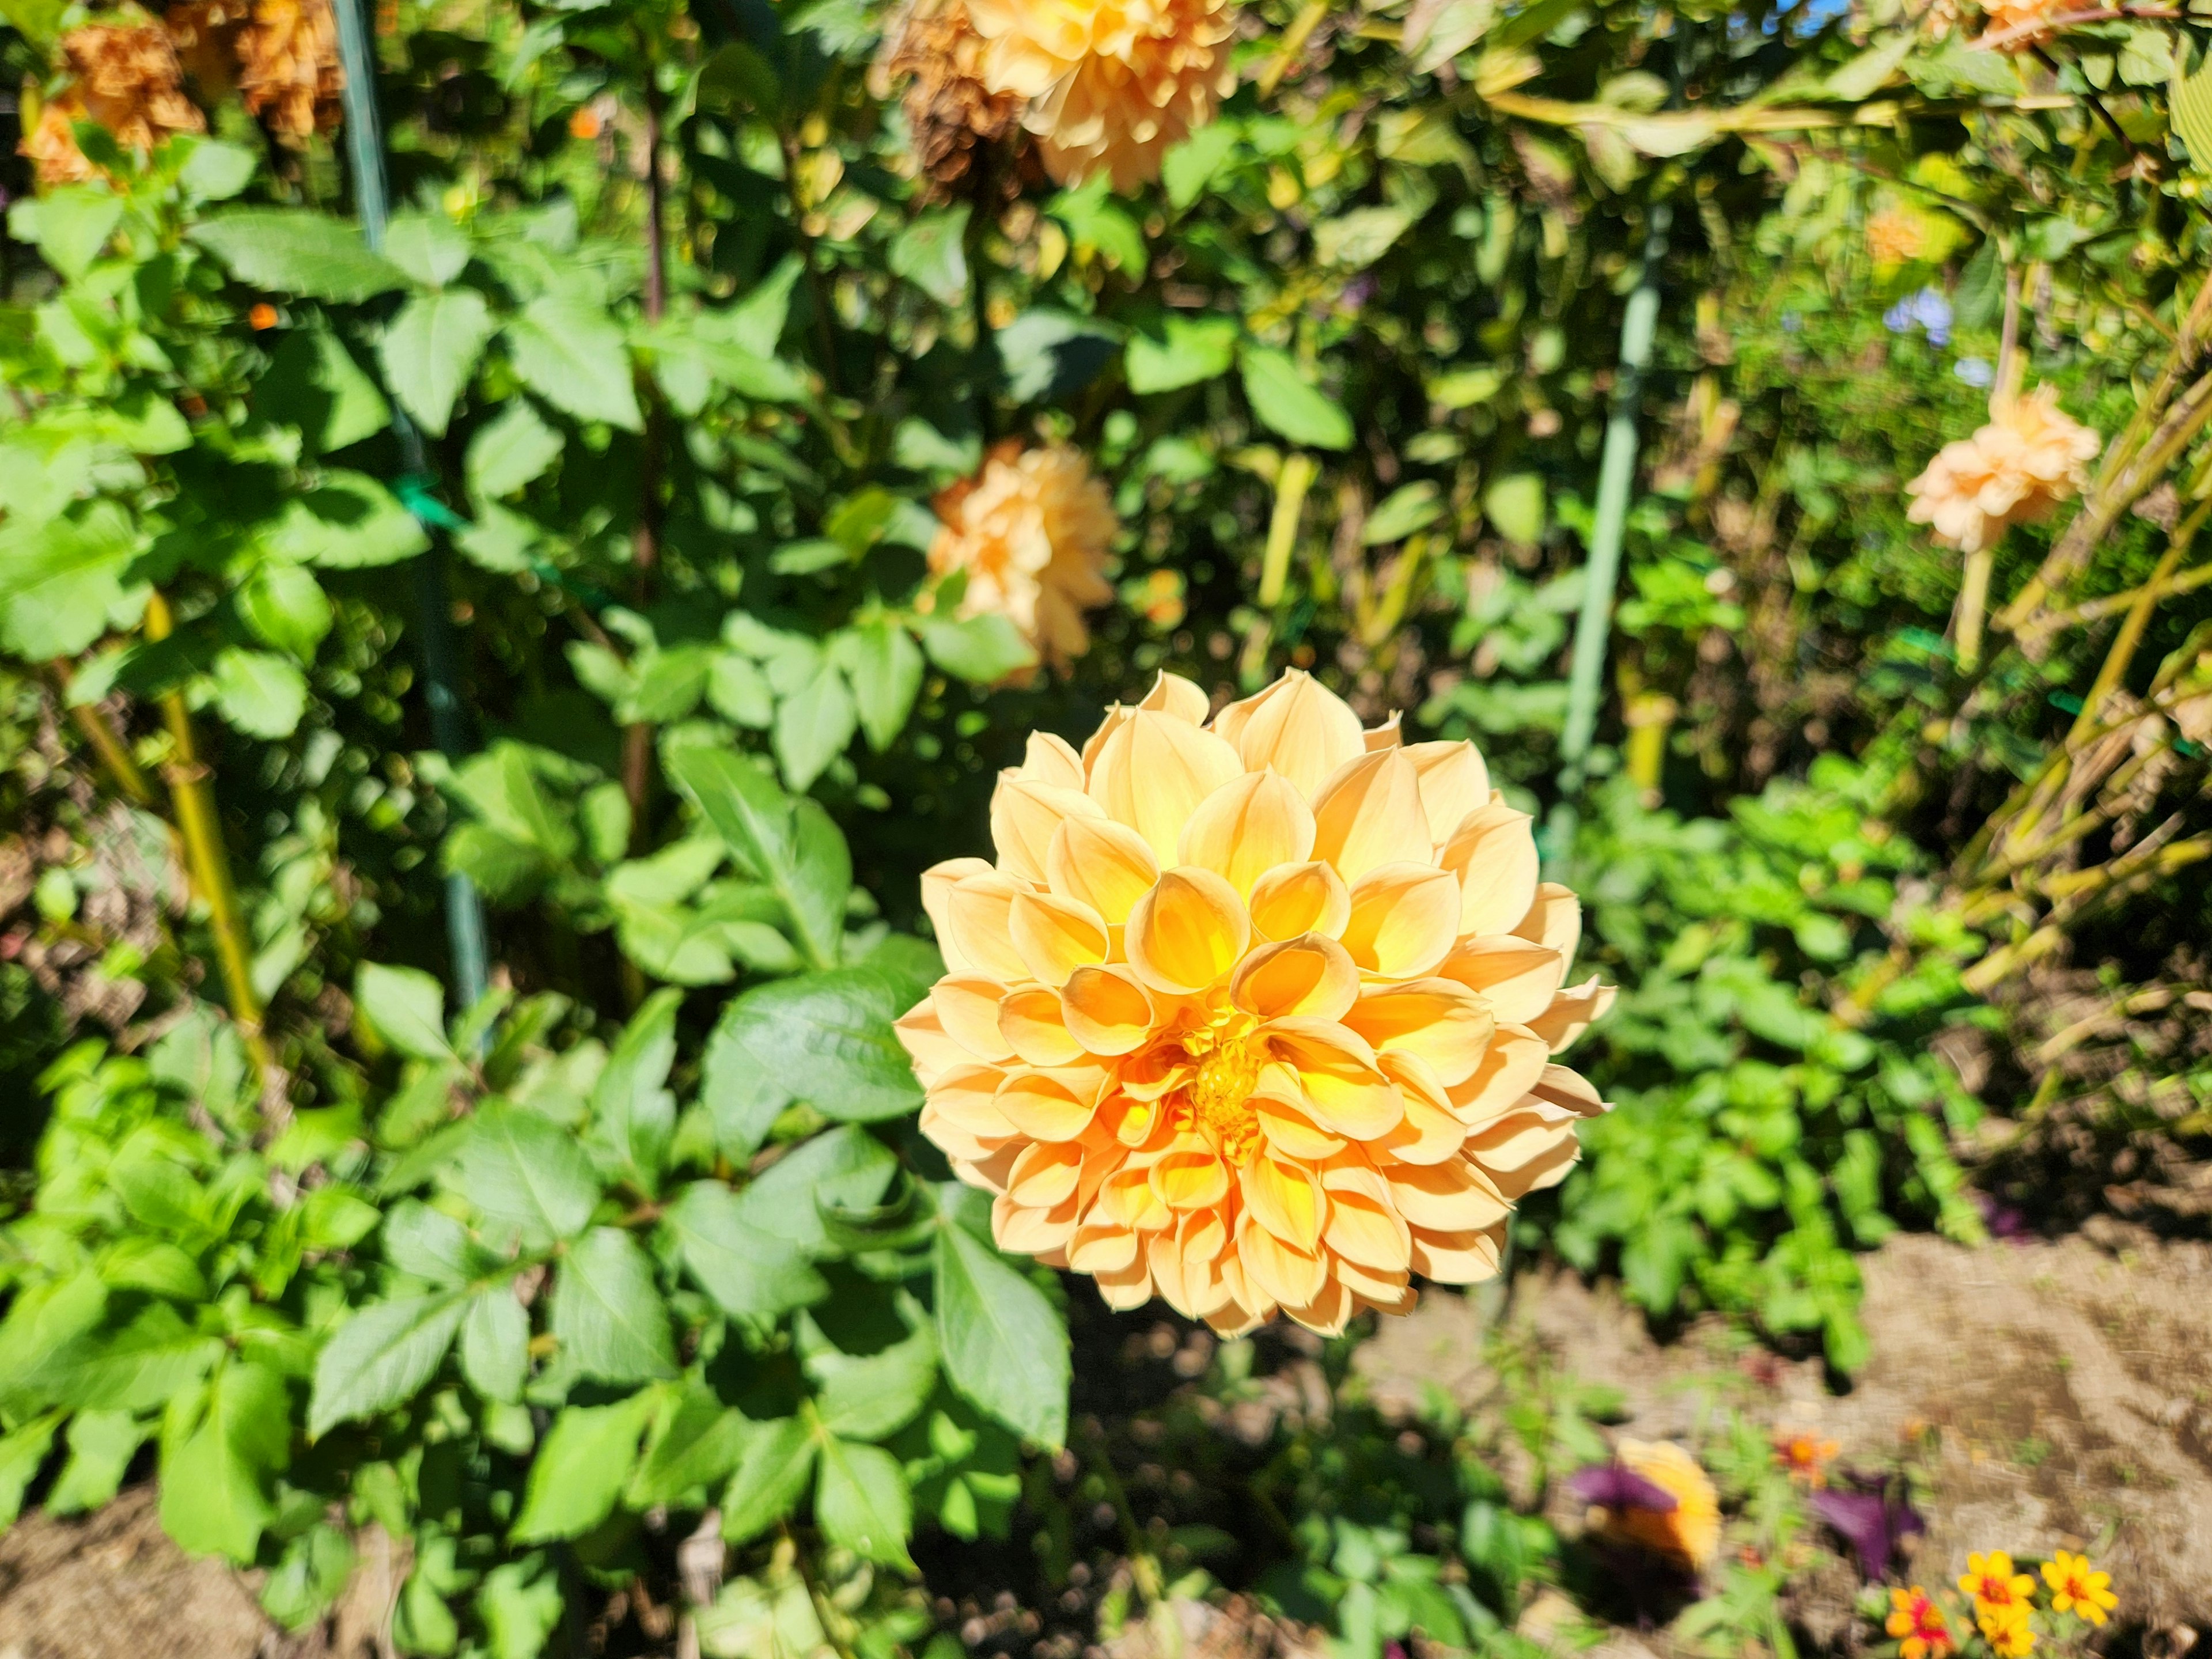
(1300, 898)
(978, 911)
(1188, 932)
(1385, 1290)
(1404, 920)
(1034, 1028)
(936, 883)
(1311, 975)
(1055, 936)
(1429, 1132)
(1570, 1089)
(955, 1140)
(1572, 1013)
(1052, 759)
(1515, 977)
(1045, 1107)
(1189, 1174)
(1298, 726)
(1509, 1069)
(1451, 1196)
(1103, 864)
(1288, 1129)
(1286, 1200)
(1554, 919)
(1493, 854)
(1127, 1195)
(968, 1095)
(928, 1043)
(967, 1007)
(1548, 1168)
(1153, 773)
(1518, 1141)
(1025, 814)
(1369, 813)
(1286, 1274)
(1021, 1231)
(1202, 1235)
(1171, 1272)
(1465, 1257)
(1330, 1310)
(1171, 694)
(1107, 1009)
(1100, 1248)
(1454, 783)
(1344, 1090)
(1246, 828)
(1447, 1026)
(1388, 735)
(1130, 1287)
(1367, 1230)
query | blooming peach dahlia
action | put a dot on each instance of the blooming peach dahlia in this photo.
(1110, 83)
(2016, 469)
(1031, 530)
(1255, 1015)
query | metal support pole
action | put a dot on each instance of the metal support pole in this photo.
(1616, 478)
(449, 722)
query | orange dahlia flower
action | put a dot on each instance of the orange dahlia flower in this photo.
(2031, 456)
(1031, 530)
(1689, 1535)
(1110, 84)
(1255, 1015)
(1895, 236)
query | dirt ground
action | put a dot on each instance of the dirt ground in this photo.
(2059, 1393)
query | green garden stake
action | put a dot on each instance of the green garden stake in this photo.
(1616, 475)
(449, 723)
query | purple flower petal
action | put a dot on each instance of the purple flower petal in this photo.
(1871, 1519)
(1617, 1487)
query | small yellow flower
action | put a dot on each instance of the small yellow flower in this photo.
(2006, 1629)
(1991, 1581)
(1805, 1454)
(2075, 1588)
(1921, 1630)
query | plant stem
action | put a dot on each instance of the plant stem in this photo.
(645, 542)
(206, 858)
(1292, 483)
(1973, 602)
(106, 741)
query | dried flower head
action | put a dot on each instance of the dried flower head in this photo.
(1921, 1630)
(1255, 1014)
(1686, 1529)
(289, 67)
(125, 78)
(1109, 84)
(950, 111)
(1031, 530)
(205, 35)
(1896, 236)
(2016, 469)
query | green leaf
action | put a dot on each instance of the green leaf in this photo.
(496, 1344)
(871, 1396)
(520, 1606)
(61, 581)
(512, 451)
(1405, 509)
(884, 665)
(429, 353)
(812, 726)
(608, 1316)
(524, 1171)
(1869, 72)
(313, 383)
(1190, 165)
(571, 354)
(348, 521)
(580, 1468)
(862, 1503)
(846, 1168)
(429, 247)
(292, 251)
(1515, 507)
(382, 1358)
(214, 170)
(797, 853)
(138, 1366)
(827, 1039)
(405, 1007)
(22, 1455)
(101, 1445)
(930, 252)
(696, 1441)
(750, 1271)
(1284, 403)
(1002, 1345)
(779, 1455)
(258, 692)
(1356, 240)
(2189, 100)
(1190, 350)
(214, 1478)
(72, 226)
(285, 606)
(631, 1106)
(983, 650)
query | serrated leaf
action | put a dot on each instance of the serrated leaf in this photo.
(381, 1356)
(429, 353)
(429, 247)
(496, 1344)
(580, 1468)
(608, 1316)
(1190, 350)
(750, 1271)
(1003, 1346)
(511, 451)
(571, 354)
(291, 251)
(215, 1479)
(523, 1171)
(348, 521)
(2190, 103)
(405, 1007)
(1284, 403)
(812, 726)
(696, 1441)
(772, 1471)
(827, 1039)
(981, 649)
(258, 692)
(861, 1502)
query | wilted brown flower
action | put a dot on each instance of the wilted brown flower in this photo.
(128, 81)
(1111, 84)
(2031, 456)
(205, 35)
(949, 109)
(289, 69)
(2028, 17)
(1031, 530)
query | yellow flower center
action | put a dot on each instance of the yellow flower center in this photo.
(1221, 1098)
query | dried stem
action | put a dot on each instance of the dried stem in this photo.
(107, 743)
